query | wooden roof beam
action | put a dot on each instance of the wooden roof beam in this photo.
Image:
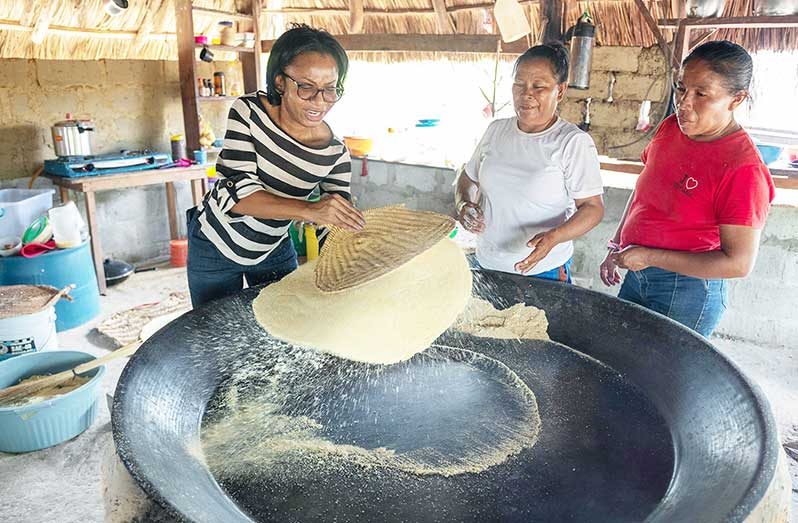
(736, 22)
(324, 11)
(356, 16)
(445, 24)
(222, 15)
(551, 19)
(419, 43)
(321, 11)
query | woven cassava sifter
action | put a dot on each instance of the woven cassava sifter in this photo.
(392, 237)
(19, 300)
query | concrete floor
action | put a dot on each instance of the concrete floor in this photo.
(62, 484)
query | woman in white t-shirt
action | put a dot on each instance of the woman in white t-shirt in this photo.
(533, 183)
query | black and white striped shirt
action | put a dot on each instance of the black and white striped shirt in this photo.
(259, 156)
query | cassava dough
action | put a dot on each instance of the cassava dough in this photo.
(383, 321)
(519, 322)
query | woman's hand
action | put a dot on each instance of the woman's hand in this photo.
(609, 270)
(633, 258)
(542, 243)
(336, 210)
(471, 217)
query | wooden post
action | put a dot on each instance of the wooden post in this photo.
(171, 210)
(551, 12)
(680, 43)
(94, 238)
(187, 67)
(251, 62)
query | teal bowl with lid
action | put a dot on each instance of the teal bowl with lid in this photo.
(52, 421)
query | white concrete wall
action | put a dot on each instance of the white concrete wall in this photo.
(763, 307)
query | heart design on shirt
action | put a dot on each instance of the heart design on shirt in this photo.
(690, 183)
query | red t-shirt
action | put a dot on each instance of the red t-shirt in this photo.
(688, 189)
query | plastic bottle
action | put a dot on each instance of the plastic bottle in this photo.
(218, 84)
(311, 242)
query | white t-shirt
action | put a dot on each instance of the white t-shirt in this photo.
(528, 183)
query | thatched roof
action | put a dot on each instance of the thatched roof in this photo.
(80, 29)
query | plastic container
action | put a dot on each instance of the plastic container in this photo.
(178, 251)
(19, 207)
(201, 156)
(40, 231)
(68, 225)
(52, 421)
(178, 142)
(219, 88)
(59, 268)
(28, 333)
(227, 34)
(10, 245)
(358, 146)
(769, 153)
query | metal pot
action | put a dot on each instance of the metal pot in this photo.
(704, 8)
(775, 7)
(115, 7)
(72, 137)
(117, 271)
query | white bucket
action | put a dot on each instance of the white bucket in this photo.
(28, 333)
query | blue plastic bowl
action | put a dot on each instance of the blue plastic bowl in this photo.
(769, 153)
(49, 422)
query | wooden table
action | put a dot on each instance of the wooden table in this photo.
(88, 185)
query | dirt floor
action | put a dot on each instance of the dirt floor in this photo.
(62, 484)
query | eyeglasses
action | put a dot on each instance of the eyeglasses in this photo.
(309, 92)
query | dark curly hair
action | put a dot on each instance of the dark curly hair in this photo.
(555, 53)
(300, 39)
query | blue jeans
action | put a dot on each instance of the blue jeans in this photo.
(694, 302)
(561, 273)
(212, 276)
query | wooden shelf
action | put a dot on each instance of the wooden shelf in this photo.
(188, 61)
(226, 48)
(216, 98)
(221, 15)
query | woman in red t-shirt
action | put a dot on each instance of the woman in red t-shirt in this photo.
(698, 208)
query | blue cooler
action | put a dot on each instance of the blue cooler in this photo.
(59, 268)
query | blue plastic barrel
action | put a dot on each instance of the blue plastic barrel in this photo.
(59, 268)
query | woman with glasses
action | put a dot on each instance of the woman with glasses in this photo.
(698, 208)
(277, 151)
(533, 183)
